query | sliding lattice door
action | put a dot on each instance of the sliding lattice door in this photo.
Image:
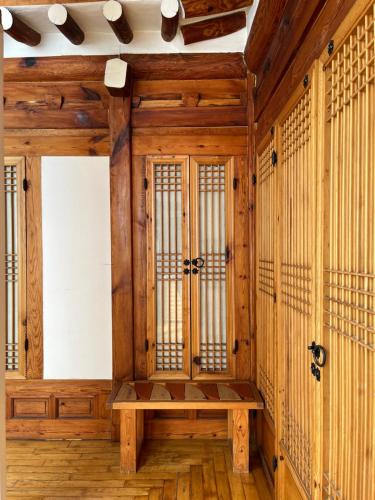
(349, 267)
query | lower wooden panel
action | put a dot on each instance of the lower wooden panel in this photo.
(58, 409)
(181, 428)
(265, 436)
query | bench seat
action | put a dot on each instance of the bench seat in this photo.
(238, 397)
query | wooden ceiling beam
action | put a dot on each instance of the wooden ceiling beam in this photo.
(17, 29)
(213, 28)
(114, 13)
(17, 3)
(59, 16)
(169, 19)
(266, 21)
(144, 67)
(196, 8)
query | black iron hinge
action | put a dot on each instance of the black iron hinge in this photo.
(26, 344)
(197, 360)
(235, 183)
(25, 184)
(275, 297)
(274, 158)
(145, 183)
(235, 349)
(306, 81)
(274, 463)
(254, 179)
(146, 345)
(330, 47)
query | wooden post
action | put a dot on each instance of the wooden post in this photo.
(213, 28)
(240, 438)
(169, 16)
(131, 438)
(114, 12)
(18, 30)
(60, 17)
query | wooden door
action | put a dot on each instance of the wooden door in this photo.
(349, 262)
(298, 247)
(190, 267)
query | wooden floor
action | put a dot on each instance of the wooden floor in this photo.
(170, 469)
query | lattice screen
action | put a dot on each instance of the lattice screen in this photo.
(297, 282)
(265, 230)
(14, 266)
(212, 285)
(169, 260)
(349, 281)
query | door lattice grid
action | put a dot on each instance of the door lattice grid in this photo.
(349, 277)
(297, 257)
(169, 258)
(266, 275)
(212, 287)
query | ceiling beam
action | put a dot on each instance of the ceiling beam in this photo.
(61, 18)
(114, 13)
(213, 28)
(169, 19)
(17, 29)
(266, 21)
(23, 3)
(196, 8)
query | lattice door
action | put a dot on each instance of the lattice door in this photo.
(190, 262)
(15, 266)
(349, 267)
(297, 172)
(265, 267)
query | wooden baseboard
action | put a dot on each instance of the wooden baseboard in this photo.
(58, 409)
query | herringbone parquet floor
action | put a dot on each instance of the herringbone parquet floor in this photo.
(170, 469)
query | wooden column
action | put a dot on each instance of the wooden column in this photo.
(131, 438)
(240, 440)
(121, 238)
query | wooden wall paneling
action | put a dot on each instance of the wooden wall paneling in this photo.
(139, 274)
(197, 8)
(144, 67)
(242, 250)
(225, 116)
(34, 266)
(296, 20)
(190, 141)
(348, 123)
(266, 21)
(330, 18)
(55, 142)
(252, 218)
(29, 117)
(121, 239)
(58, 409)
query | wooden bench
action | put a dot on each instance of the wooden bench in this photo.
(135, 397)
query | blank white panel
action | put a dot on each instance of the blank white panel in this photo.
(76, 268)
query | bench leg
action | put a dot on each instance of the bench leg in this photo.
(131, 438)
(240, 440)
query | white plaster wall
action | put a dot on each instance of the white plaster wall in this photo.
(76, 268)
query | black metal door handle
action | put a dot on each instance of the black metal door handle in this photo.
(319, 354)
(198, 262)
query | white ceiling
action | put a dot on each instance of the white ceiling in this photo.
(144, 18)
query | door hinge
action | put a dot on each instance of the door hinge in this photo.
(274, 158)
(235, 183)
(25, 184)
(235, 348)
(254, 179)
(275, 297)
(274, 463)
(197, 360)
(26, 344)
(146, 345)
(330, 47)
(145, 183)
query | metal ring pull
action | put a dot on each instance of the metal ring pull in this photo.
(198, 262)
(319, 354)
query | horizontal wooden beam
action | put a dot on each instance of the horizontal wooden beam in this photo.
(114, 12)
(18, 30)
(16, 3)
(190, 117)
(196, 8)
(32, 117)
(264, 26)
(144, 66)
(213, 28)
(64, 22)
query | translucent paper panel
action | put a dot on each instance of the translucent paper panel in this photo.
(212, 287)
(169, 266)
(11, 267)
